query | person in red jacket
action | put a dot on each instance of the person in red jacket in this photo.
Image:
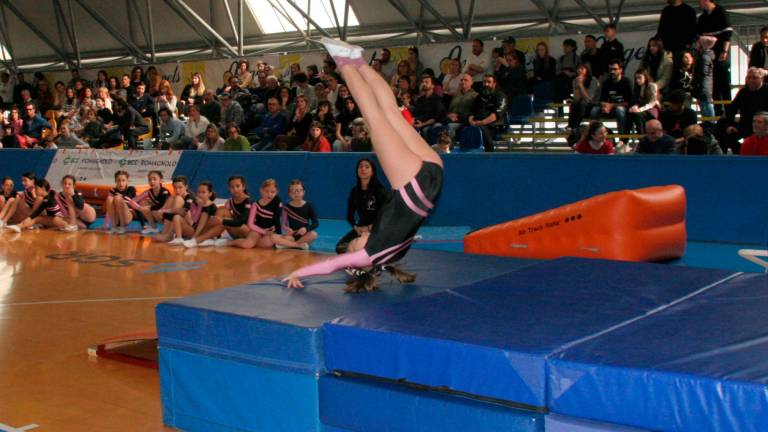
(757, 144)
(595, 140)
(316, 141)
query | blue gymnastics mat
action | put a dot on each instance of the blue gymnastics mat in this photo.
(643, 345)
(249, 357)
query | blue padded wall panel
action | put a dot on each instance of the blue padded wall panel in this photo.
(367, 406)
(15, 162)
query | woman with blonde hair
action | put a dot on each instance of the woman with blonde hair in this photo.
(194, 91)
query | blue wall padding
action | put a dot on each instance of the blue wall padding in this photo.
(363, 406)
(15, 162)
(725, 200)
(493, 338)
(201, 393)
(701, 365)
(559, 423)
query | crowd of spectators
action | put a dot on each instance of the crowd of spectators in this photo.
(686, 62)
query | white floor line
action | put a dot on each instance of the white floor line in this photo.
(107, 300)
(6, 428)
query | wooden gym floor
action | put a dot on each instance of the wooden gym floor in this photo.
(61, 293)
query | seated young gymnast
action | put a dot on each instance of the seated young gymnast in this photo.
(233, 218)
(195, 215)
(24, 203)
(299, 219)
(263, 219)
(177, 205)
(78, 213)
(7, 192)
(119, 212)
(413, 169)
(47, 214)
(149, 205)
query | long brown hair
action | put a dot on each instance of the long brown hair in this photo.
(366, 280)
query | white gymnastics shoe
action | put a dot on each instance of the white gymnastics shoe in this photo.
(340, 49)
(14, 228)
(221, 242)
(192, 243)
(207, 243)
(178, 241)
(150, 230)
(70, 228)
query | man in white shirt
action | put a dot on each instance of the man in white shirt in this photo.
(477, 64)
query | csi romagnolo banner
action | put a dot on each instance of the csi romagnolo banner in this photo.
(98, 167)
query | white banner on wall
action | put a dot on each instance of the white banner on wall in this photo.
(98, 167)
(213, 71)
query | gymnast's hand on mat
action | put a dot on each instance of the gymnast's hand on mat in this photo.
(293, 281)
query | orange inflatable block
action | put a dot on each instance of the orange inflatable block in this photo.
(630, 225)
(97, 194)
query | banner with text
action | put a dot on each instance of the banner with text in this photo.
(98, 167)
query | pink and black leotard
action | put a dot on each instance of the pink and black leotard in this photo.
(265, 219)
(297, 218)
(395, 225)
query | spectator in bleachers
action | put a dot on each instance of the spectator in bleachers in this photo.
(417, 67)
(235, 141)
(192, 94)
(677, 26)
(129, 123)
(285, 97)
(211, 109)
(509, 45)
(758, 54)
(154, 80)
(102, 80)
(316, 140)
(452, 80)
(91, 127)
(244, 74)
(274, 123)
(33, 127)
(59, 94)
(544, 66)
(313, 75)
(683, 76)
(586, 95)
(645, 103)
(126, 88)
(428, 110)
(757, 143)
(342, 93)
(26, 98)
(298, 127)
(591, 56)
(477, 63)
(86, 97)
(329, 66)
(331, 82)
(6, 89)
(68, 140)
(659, 63)
(488, 110)
(231, 111)
(324, 116)
(170, 130)
(615, 95)
(361, 142)
(44, 97)
(142, 102)
(595, 140)
(387, 65)
(302, 88)
(611, 49)
(165, 98)
(321, 93)
(103, 94)
(102, 112)
(113, 84)
(70, 105)
(403, 87)
(714, 21)
(750, 99)
(655, 140)
(677, 116)
(15, 120)
(137, 76)
(403, 70)
(702, 77)
(194, 130)
(79, 89)
(75, 75)
(9, 139)
(344, 119)
(698, 142)
(376, 65)
(566, 70)
(461, 105)
(444, 143)
(510, 76)
(212, 141)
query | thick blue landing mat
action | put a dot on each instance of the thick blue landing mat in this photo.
(493, 338)
(699, 365)
(271, 325)
(364, 406)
